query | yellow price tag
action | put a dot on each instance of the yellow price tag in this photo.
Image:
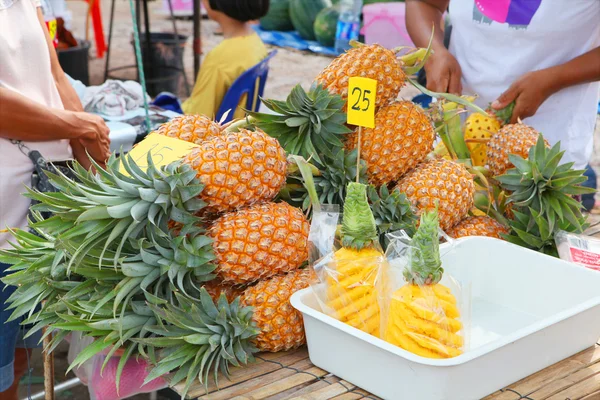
(163, 150)
(361, 101)
(52, 28)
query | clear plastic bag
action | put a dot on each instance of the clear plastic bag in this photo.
(579, 249)
(349, 280)
(426, 315)
(102, 385)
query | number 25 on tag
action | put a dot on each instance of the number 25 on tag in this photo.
(361, 101)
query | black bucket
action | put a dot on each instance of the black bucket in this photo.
(74, 61)
(163, 69)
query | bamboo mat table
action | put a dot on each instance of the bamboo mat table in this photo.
(290, 375)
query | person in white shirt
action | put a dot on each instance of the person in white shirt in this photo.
(39, 107)
(542, 54)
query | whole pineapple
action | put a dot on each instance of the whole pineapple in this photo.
(440, 183)
(191, 128)
(402, 138)
(371, 61)
(239, 169)
(259, 241)
(479, 128)
(423, 314)
(281, 326)
(355, 276)
(478, 226)
(511, 139)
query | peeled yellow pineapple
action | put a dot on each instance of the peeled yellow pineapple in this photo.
(356, 275)
(423, 316)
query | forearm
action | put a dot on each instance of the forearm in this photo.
(421, 16)
(25, 119)
(67, 93)
(582, 69)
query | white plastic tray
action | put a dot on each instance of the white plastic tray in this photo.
(529, 311)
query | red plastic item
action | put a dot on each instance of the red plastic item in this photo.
(98, 27)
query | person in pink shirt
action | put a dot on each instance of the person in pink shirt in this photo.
(38, 107)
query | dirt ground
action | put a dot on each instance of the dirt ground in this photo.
(287, 69)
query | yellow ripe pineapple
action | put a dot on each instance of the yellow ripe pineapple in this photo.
(423, 316)
(479, 129)
(478, 226)
(281, 326)
(216, 288)
(259, 241)
(511, 139)
(239, 169)
(368, 61)
(191, 128)
(356, 275)
(402, 138)
(440, 183)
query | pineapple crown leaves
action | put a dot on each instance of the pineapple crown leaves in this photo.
(201, 336)
(329, 180)
(392, 211)
(546, 186)
(359, 229)
(425, 265)
(504, 115)
(310, 124)
(531, 230)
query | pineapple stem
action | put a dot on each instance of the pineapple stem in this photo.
(448, 96)
(416, 60)
(234, 126)
(505, 114)
(358, 224)
(425, 266)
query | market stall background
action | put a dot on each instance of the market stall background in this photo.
(287, 69)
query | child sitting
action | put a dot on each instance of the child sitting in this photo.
(239, 51)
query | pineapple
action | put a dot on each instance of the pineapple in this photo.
(280, 324)
(479, 128)
(511, 139)
(368, 61)
(423, 316)
(309, 124)
(259, 241)
(402, 138)
(191, 128)
(355, 275)
(440, 183)
(239, 169)
(541, 193)
(478, 226)
(216, 288)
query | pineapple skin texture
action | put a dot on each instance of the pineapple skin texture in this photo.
(442, 183)
(477, 226)
(190, 128)
(353, 287)
(239, 169)
(368, 61)
(402, 138)
(480, 126)
(259, 242)
(424, 321)
(281, 325)
(511, 139)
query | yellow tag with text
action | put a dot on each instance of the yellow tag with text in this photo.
(163, 150)
(361, 101)
(52, 28)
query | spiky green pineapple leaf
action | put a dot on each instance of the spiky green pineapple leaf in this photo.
(308, 124)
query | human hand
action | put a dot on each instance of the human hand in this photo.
(443, 73)
(528, 92)
(92, 133)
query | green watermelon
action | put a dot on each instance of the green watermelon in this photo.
(278, 17)
(303, 14)
(326, 25)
